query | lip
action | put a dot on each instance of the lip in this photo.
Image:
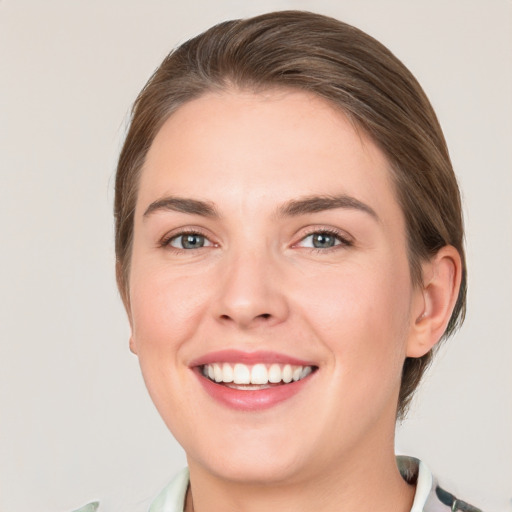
(250, 400)
(249, 358)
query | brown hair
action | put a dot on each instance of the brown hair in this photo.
(348, 68)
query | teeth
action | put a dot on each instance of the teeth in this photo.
(287, 374)
(259, 374)
(227, 373)
(217, 373)
(274, 374)
(241, 374)
(305, 372)
(256, 375)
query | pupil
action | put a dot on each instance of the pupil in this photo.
(192, 241)
(321, 240)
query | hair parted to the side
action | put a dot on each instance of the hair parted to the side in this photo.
(348, 68)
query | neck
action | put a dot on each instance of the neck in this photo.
(368, 483)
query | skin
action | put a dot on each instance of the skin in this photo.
(259, 284)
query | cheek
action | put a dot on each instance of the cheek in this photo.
(165, 311)
(361, 312)
(165, 314)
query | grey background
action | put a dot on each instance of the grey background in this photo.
(75, 421)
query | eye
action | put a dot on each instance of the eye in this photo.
(323, 240)
(189, 241)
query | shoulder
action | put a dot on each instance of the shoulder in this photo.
(90, 507)
(430, 496)
(172, 498)
(454, 504)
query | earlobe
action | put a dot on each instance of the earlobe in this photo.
(125, 297)
(435, 300)
(133, 346)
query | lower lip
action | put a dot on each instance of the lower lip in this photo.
(251, 400)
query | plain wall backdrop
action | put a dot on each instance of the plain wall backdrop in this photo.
(75, 420)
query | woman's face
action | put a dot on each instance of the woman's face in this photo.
(269, 247)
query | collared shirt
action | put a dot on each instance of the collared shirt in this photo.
(429, 496)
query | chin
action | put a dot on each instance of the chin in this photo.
(256, 471)
(257, 456)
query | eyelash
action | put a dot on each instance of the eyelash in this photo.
(344, 241)
(165, 242)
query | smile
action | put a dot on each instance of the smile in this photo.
(253, 381)
(257, 376)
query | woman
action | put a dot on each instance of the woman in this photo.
(290, 252)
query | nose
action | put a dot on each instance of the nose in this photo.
(251, 292)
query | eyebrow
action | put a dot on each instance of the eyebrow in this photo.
(292, 208)
(315, 204)
(182, 205)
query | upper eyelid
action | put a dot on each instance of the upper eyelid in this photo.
(340, 233)
(176, 233)
(306, 232)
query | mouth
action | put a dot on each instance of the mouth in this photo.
(252, 381)
(258, 376)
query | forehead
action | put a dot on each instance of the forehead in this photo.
(239, 145)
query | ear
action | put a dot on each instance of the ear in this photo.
(125, 297)
(133, 345)
(132, 342)
(434, 300)
(122, 286)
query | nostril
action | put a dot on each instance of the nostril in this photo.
(246, 319)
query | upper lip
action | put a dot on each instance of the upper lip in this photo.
(249, 358)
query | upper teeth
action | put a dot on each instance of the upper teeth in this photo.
(256, 374)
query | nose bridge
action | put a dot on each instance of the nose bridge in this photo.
(250, 291)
